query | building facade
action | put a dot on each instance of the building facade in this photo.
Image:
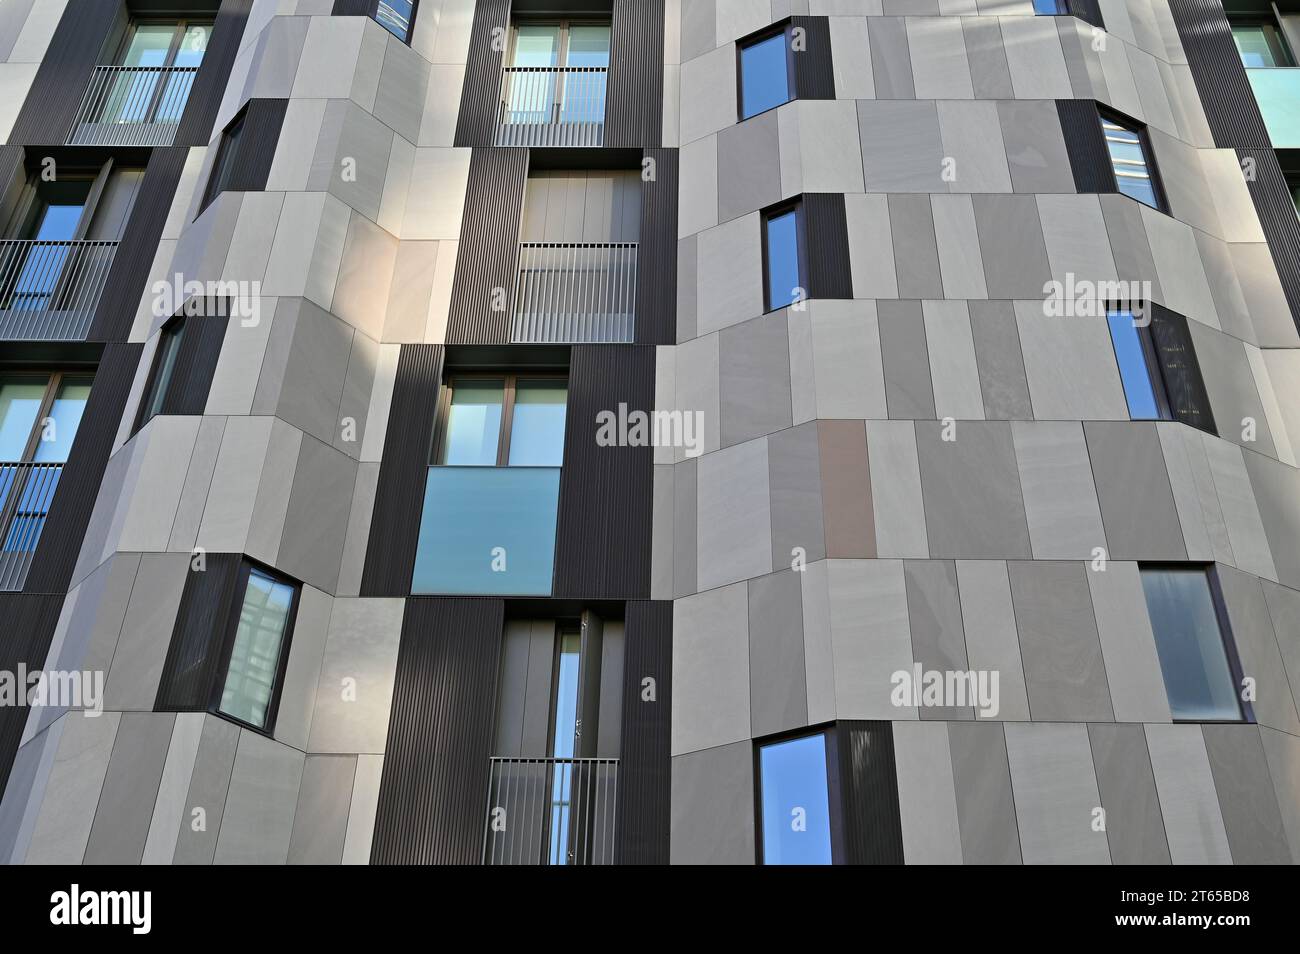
(649, 431)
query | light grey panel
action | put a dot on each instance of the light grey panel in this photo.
(794, 476)
(1064, 669)
(130, 789)
(713, 806)
(896, 494)
(1134, 826)
(316, 524)
(1231, 387)
(891, 63)
(926, 798)
(1060, 499)
(1128, 241)
(754, 379)
(1137, 504)
(320, 821)
(916, 253)
(1257, 646)
(902, 150)
(258, 819)
(973, 506)
(906, 361)
(711, 669)
(749, 166)
(1036, 154)
(1137, 686)
(1277, 494)
(1188, 802)
(986, 808)
(778, 693)
(1284, 608)
(699, 23)
(735, 529)
(1056, 794)
(205, 802)
(76, 777)
(1000, 363)
(312, 385)
(992, 643)
(685, 559)
(1251, 817)
(1283, 752)
(132, 682)
(1011, 244)
(934, 613)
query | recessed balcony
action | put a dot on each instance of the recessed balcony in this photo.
(575, 292)
(552, 106)
(49, 290)
(26, 492)
(132, 106)
(551, 812)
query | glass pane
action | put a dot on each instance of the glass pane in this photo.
(537, 45)
(65, 413)
(537, 426)
(168, 348)
(782, 259)
(255, 658)
(225, 163)
(1048, 7)
(764, 82)
(565, 707)
(1133, 367)
(59, 223)
(20, 402)
(488, 531)
(1188, 400)
(588, 46)
(1130, 163)
(1190, 645)
(1260, 45)
(474, 423)
(395, 16)
(796, 802)
(194, 43)
(149, 45)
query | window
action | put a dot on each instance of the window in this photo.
(257, 648)
(165, 43)
(164, 365)
(784, 270)
(556, 73)
(1260, 43)
(397, 17)
(223, 166)
(1158, 368)
(161, 57)
(510, 421)
(1051, 8)
(1194, 644)
(766, 72)
(1129, 151)
(795, 800)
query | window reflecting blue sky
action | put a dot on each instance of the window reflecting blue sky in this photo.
(1132, 367)
(782, 259)
(763, 79)
(796, 804)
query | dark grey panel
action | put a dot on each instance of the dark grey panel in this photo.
(634, 99)
(1088, 11)
(1086, 146)
(603, 528)
(194, 654)
(431, 796)
(126, 799)
(998, 357)
(65, 527)
(196, 363)
(489, 247)
(1225, 92)
(120, 299)
(29, 621)
(1137, 503)
(814, 69)
(656, 283)
(1247, 799)
(76, 47)
(353, 8)
(480, 96)
(829, 272)
(986, 810)
(209, 87)
(873, 827)
(263, 119)
(1135, 827)
(934, 614)
(645, 773)
(908, 391)
(399, 495)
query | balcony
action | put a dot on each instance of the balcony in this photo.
(49, 290)
(132, 106)
(575, 293)
(552, 106)
(487, 531)
(1277, 91)
(551, 812)
(26, 491)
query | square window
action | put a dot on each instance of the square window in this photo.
(1130, 158)
(766, 73)
(795, 801)
(1192, 640)
(783, 257)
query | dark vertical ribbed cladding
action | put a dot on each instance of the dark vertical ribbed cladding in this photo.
(645, 763)
(257, 143)
(1086, 145)
(194, 654)
(480, 95)
(209, 86)
(1221, 80)
(399, 496)
(1276, 210)
(873, 828)
(74, 500)
(353, 8)
(432, 793)
(634, 98)
(1089, 11)
(602, 536)
(484, 284)
(814, 67)
(196, 363)
(830, 274)
(120, 299)
(52, 103)
(11, 165)
(656, 275)
(29, 622)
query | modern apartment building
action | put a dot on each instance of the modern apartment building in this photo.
(649, 431)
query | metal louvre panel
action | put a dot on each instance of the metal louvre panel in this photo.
(830, 274)
(26, 492)
(532, 800)
(1089, 158)
(436, 758)
(645, 740)
(656, 305)
(575, 292)
(49, 290)
(1221, 81)
(814, 68)
(873, 828)
(479, 99)
(257, 144)
(634, 112)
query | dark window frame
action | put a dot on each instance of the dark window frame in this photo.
(1226, 637)
(1108, 114)
(226, 157)
(834, 789)
(795, 205)
(154, 389)
(1261, 19)
(510, 379)
(785, 28)
(227, 647)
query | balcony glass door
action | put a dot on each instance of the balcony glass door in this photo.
(556, 75)
(157, 72)
(56, 221)
(564, 727)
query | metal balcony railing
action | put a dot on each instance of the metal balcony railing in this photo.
(575, 292)
(551, 812)
(26, 491)
(132, 106)
(552, 106)
(49, 290)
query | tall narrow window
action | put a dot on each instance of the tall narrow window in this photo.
(795, 801)
(258, 643)
(397, 17)
(784, 267)
(169, 344)
(1130, 158)
(766, 73)
(223, 167)
(564, 728)
(1136, 359)
(1192, 641)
